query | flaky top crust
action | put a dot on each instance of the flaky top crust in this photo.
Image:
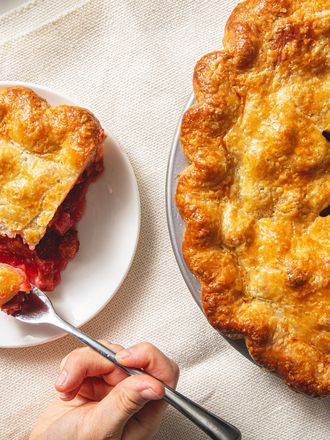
(12, 281)
(257, 183)
(43, 151)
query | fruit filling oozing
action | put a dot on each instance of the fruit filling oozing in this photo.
(15, 304)
(43, 264)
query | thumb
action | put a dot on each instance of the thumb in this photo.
(129, 396)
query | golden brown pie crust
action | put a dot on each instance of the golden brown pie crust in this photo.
(257, 182)
(43, 151)
(12, 281)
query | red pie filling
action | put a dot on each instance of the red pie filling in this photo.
(15, 304)
(58, 246)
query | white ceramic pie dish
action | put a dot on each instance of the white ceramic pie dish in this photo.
(108, 234)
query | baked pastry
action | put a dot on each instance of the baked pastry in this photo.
(255, 196)
(48, 157)
(12, 281)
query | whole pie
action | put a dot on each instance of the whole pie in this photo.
(48, 157)
(255, 196)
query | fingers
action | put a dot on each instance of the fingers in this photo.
(84, 363)
(94, 378)
(92, 388)
(152, 360)
(85, 372)
(126, 399)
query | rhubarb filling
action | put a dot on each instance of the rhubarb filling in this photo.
(15, 304)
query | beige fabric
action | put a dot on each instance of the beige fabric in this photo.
(131, 62)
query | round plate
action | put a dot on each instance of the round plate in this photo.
(108, 234)
(177, 163)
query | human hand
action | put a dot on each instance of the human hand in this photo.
(99, 401)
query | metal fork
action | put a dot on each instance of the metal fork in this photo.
(38, 309)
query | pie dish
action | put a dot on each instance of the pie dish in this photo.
(255, 196)
(48, 158)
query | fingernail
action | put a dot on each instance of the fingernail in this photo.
(149, 394)
(123, 354)
(62, 378)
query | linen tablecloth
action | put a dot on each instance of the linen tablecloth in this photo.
(131, 63)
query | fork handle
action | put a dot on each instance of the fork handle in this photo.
(215, 427)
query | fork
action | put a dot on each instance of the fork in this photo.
(38, 309)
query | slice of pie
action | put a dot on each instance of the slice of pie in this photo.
(48, 157)
(255, 195)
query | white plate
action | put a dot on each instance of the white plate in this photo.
(108, 234)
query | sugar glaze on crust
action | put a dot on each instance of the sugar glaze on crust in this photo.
(258, 180)
(43, 151)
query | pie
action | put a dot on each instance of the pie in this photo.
(255, 197)
(48, 158)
